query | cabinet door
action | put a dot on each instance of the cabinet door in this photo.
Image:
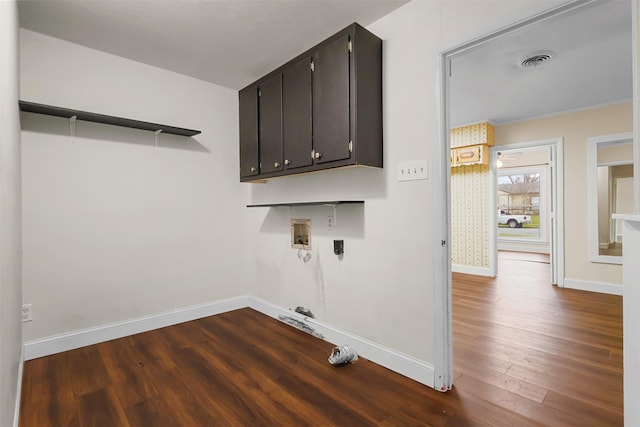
(270, 110)
(331, 119)
(296, 112)
(248, 116)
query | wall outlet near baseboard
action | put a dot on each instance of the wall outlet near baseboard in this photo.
(27, 314)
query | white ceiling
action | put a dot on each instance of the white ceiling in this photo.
(234, 42)
(227, 42)
(592, 66)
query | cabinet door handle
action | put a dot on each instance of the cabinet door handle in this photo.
(287, 162)
(253, 169)
(276, 165)
(318, 155)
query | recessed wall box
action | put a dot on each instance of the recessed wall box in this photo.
(301, 234)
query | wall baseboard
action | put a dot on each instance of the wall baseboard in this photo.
(538, 248)
(469, 269)
(76, 339)
(16, 411)
(396, 361)
(403, 364)
(601, 287)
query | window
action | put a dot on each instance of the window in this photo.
(521, 208)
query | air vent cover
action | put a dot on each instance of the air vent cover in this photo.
(537, 59)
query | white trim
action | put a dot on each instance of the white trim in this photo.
(470, 269)
(493, 212)
(636, 107)
(621, 137)
(627, 217)
(441, 243)
(16, 411)
(76, 339)
(607, 259)
(601, 287)
(559, 212)
(558, 164)
(592, 192)
(396, 361)
(401, 363)
(443, 356)
(511, 246)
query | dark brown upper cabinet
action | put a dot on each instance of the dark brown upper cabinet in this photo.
(270, 124)
(249, 154)
(296, 113)
(331, 118)
(321, 110)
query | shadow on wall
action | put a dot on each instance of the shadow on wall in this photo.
(32, 122)
(348, 222)
(354, 183)
(363, 183)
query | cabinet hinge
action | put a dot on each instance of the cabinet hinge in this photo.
(313, 67)
(351, 146)
(350, 46)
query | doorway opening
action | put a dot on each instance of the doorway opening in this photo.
(476, 54)
(527, 190)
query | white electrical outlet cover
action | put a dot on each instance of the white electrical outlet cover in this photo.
(27, 314)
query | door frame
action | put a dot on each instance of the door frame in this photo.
(443, 339)
(555, 206)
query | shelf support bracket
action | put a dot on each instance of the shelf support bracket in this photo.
(157, 137)
(335, 215)
(72, 127)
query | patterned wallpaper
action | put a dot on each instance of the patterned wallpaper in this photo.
(470, 201)
(469, 215)
(480, 133)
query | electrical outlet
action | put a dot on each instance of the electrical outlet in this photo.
(331, 223)
(27, 314)
(413, 170)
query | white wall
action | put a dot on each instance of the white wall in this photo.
(113, 228)
(10, 240)
(383, 288)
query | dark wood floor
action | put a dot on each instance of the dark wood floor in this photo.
(549, 354)
(525, 354)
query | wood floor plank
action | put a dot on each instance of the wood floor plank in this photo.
(525, 354)
(513, 402)
(129, 373)
(101, 408)
(564, 341)
(295, 371)
(152, 412)
(47, 387)
(477, 411)
(584, 413)
(505, 382)
(85, 369)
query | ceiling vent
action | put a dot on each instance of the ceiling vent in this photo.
(537, 59)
